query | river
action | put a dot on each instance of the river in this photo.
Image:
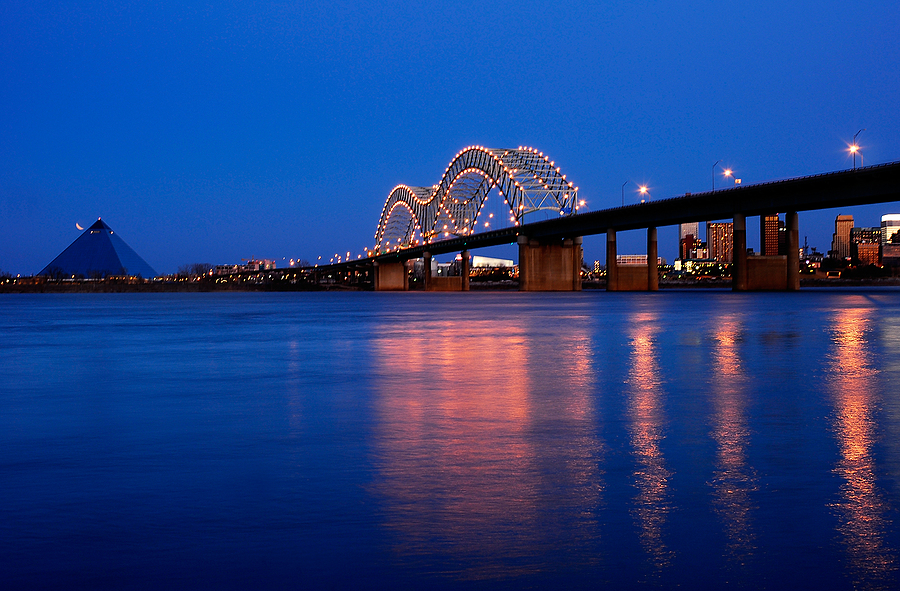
(699, 438)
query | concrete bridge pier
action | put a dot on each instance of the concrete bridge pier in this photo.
(391, 276)
(464, 271)
(632, 277)
(460, 283)
(766, 272)
(426, 267)
(739, 253)
(553, 265)
(612, 267)
(792, 227)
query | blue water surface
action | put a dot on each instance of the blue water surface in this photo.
(702, 439)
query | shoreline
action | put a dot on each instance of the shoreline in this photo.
(207, 287)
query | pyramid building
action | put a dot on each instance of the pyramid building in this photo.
(98, 252)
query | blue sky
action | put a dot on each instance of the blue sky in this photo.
(212, 132)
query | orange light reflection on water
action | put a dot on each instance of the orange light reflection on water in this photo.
(462, 448)
(861, 508)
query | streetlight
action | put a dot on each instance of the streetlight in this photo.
(854, 148)
(725, 172)
(623, 193)
(644, 191)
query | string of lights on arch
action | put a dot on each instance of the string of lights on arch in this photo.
(524, 178)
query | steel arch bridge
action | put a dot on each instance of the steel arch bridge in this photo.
(526, 180)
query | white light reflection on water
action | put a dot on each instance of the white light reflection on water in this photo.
(734, 481)
(861, 509)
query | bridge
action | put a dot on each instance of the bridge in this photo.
(420, 222)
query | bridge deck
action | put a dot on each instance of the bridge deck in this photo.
(873, 184)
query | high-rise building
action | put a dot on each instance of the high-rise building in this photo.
(769, 234)
(840, 242)
(688, 240)
(865, 245)
(691, 229)
(890, 225)
(688, 247)
(720, 241)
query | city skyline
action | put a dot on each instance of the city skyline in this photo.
(214, 134)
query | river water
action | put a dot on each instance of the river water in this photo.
(477, 440)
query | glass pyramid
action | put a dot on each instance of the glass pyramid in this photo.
(97, 253)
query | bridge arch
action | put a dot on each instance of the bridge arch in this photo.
(402, 218)
(526, 180)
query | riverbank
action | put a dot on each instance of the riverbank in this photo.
(156, 287)
(101, 286)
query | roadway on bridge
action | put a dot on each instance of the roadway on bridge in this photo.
(864, 186)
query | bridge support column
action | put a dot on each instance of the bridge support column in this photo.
(453, 283)
(767, 272)
(391, 276)
(652, 260)
(632, 277)
(612, 268)
(553, 265)
(464, 270)
(792, 227)
(739, 252)
(426, 261)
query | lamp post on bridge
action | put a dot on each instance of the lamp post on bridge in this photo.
(642, 189)
(725, 172)
(854, 148)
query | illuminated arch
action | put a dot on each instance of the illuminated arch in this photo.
(527, 181)
(402, 217)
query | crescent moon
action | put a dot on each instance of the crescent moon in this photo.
(78, 226)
